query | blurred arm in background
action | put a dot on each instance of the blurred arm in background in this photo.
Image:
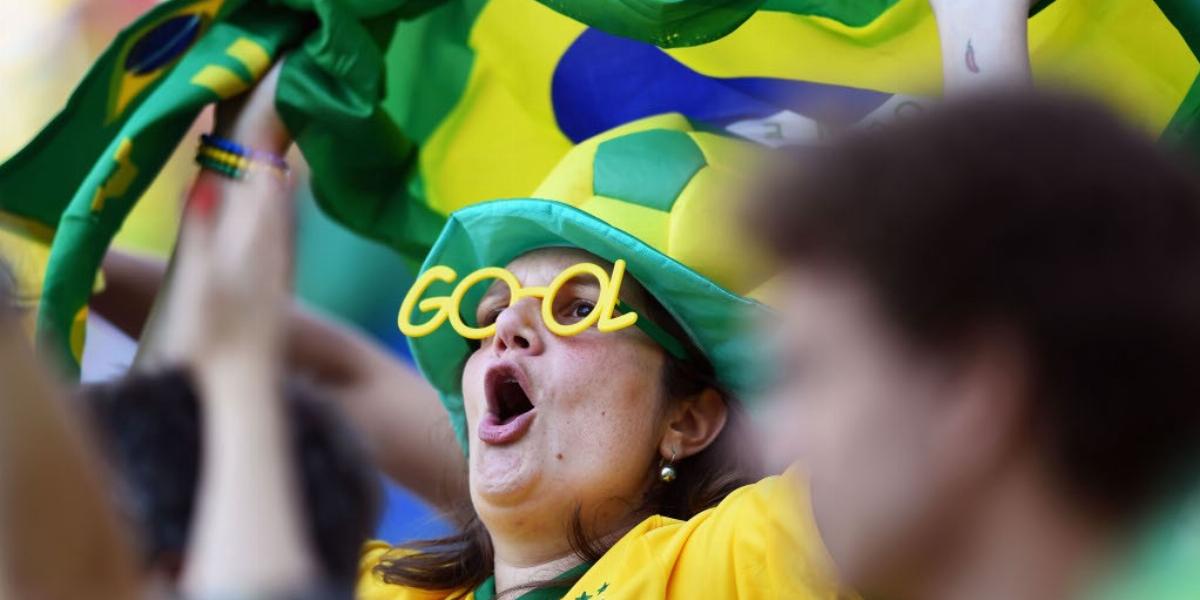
(394, 408)
(59, 536)
(398, 412)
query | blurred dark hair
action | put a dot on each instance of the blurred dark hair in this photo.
(1046, 214)
(149, 426)
(464, 559)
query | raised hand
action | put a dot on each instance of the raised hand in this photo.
(230, 293)
(249, 120)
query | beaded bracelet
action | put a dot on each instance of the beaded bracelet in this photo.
(236, 161)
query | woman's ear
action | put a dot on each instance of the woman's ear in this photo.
(693, 424)
(989, 420)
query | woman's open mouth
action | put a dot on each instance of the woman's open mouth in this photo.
(510, 411)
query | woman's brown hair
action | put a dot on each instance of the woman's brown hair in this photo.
(464, 559)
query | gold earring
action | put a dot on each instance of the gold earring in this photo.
(667, 473)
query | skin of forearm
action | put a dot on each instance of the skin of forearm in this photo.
(131, 285)
(249, 529)
(406, 430)
(315, 345)
(61, 534)
(153, 339)
(983, 44)
(398, 412)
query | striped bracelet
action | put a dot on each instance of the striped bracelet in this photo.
(236, 161)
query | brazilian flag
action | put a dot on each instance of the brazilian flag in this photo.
(409, 109)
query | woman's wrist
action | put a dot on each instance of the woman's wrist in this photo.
(238, 161)
(251, 119)
(979, 13)
(260, 139)
(983, 43)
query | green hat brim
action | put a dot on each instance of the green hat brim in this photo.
(492, 234)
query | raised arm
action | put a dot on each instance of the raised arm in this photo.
(390, 403)
(407, 430)
(397, 411)
(59, 535)
(984, 43)
(225, 320)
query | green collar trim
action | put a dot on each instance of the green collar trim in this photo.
(487, 589)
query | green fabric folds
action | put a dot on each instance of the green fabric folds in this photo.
(84, 172)
(665, 23)
(81, 176)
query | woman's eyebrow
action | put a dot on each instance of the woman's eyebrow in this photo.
(499, 288)
(495, 289)
(586, 286)
(583, 282)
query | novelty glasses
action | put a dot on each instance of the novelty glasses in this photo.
(603, 315)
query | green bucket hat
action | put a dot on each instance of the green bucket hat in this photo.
(654, 193)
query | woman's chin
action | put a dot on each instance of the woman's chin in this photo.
(502, 475)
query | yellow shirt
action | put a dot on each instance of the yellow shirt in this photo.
(760, 542)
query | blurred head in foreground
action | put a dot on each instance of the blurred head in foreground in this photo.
(990, 323)
(8, 286)
(149, 424)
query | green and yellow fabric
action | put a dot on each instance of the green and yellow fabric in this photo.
(82, 174)
(654, 193)
(1161, 562)
(494, 93)
(518, 102)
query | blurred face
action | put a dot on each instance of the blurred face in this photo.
(555, 422)
(867, 418)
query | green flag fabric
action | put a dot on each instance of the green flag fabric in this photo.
(84, 172)
(409, 109)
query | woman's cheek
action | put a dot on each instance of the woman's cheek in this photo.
(616, 354)
(618, 382)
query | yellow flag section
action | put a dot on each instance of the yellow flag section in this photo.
(506, 132)
(760, 542)
(685, 216)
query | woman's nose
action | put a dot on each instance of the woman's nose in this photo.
(518, 328)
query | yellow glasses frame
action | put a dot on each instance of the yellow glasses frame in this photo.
(449, 307)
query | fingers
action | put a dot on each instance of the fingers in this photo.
(232, 271)
(195, 236)
(240, 218)
(254, 226)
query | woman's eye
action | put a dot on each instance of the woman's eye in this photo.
(580, 309)
(488, 317)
